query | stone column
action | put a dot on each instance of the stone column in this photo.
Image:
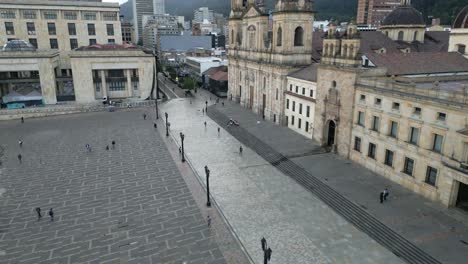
(103, 83)
(129, 83)
(47, 80)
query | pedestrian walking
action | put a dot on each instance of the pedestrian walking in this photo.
(180, 150)
(219, 130)
(88, 147)
(107, 147)
(20, 158)
(155, 125)
(222, 103)
(51, 214)
(22, 119)
(381, 197)
(113, 144)
(208, 220)
(203, 111)
(205, 124)
(264, 243)
(38, 211)
(385, 194)
(240, 150)
(20, 143)
(144, 116)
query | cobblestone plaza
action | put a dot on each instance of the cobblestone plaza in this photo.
(125, 205)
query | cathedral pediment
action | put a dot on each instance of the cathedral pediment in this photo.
(253, 11)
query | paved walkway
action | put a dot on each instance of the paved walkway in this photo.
(126, 205)
(258, 200)
(440, 232)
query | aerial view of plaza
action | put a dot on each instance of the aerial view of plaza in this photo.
(234, 131)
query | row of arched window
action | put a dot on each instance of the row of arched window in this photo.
(298, 36)
(401, 35)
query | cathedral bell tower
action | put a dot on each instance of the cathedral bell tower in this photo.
(292, 31)
(342, 49)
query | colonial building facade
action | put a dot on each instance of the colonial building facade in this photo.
(260, 57)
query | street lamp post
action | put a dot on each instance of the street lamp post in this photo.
(207, 171)
(167, 126)
(182, 136)
(157, 84)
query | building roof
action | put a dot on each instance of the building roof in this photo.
(219, 76)
(213, 70)
(18, 45)
(461, 21)
(420, 62)
(308, 73)
(185, 42)
(109, 46)
(403, 15)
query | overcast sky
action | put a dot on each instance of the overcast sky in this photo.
(120, 1)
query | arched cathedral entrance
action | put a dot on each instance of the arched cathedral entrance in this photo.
(331, 131)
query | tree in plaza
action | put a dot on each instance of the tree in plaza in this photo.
(189, 83)
(172, 72)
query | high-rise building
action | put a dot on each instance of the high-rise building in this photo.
(145, 8)
(372, 12)
(203, 13)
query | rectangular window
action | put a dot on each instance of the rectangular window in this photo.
(7, 14)
(299, 123)
(287, 103)
(109, 16)
(378, 101)
(292, 120)
(300, 109)
(73, 43)
(92, 42)
(357, 144)
(409, 165)
(437, 145)
(303, 91)
(287, 121)
(311, 93)
(389, 158)
(89, 16)
(111, 41)
(71, 29)
(91, 30)
(307, 126)
(371, 151)
(50, 15)
(33, 42)
(290, 87)
(360, 120)
(308, 111)
(277, 94)
(51, 28)
(376, 123)
(294, 106)
(54, 44)
(31, 28)
(431, 176)
(417, 111)
(396, 106)
(441, 116)
(29, 14)
(362, 97)
(110, 29)
(393, 129)
(297, 89)
(414, 136)
(70, 15)
(10, 30)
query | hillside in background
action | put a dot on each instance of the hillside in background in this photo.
(342, 10)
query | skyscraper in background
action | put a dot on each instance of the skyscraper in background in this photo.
(372, 12)
(145, 8)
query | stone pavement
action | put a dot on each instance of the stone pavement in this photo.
(258, 200)
(126, 205)
(439, 231)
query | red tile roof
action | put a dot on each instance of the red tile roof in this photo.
(219, 76)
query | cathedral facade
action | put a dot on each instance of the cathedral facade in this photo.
(264, 49)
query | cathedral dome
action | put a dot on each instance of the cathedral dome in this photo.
(403, 16)
(462, 19)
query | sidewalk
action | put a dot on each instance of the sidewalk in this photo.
(438, 231)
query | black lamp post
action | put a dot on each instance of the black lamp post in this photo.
(182, 136)
(157, 84)
(207, 171)
(167, 127)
